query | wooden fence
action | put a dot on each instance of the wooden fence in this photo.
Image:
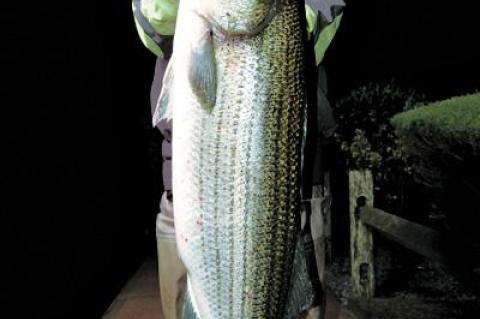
(364, 219)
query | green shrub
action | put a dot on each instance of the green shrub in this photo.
(441, 137)
(367, 139)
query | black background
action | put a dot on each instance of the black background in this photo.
(75, 134)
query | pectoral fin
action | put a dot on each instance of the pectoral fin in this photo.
(202, 72)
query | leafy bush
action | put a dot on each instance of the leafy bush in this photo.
(441, 137)
(367, 139)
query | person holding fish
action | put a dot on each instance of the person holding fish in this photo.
(235, 86)
(155, 22)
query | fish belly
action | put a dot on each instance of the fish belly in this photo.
(236, 174)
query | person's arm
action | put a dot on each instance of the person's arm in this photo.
(155, 22)
(323, 20)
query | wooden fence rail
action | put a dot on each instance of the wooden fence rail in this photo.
(420, 239)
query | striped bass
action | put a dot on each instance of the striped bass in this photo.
(235, 90)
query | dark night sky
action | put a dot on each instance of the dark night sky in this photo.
(428, 45)
(76, 104)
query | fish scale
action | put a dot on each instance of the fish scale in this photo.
(236, 163)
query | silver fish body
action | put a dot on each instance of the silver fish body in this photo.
(236, 151)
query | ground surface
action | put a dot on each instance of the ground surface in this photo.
(406, 290)
(140, 298)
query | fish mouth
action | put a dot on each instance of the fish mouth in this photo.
(224, 29)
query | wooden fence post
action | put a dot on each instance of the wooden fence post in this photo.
(361, 243)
